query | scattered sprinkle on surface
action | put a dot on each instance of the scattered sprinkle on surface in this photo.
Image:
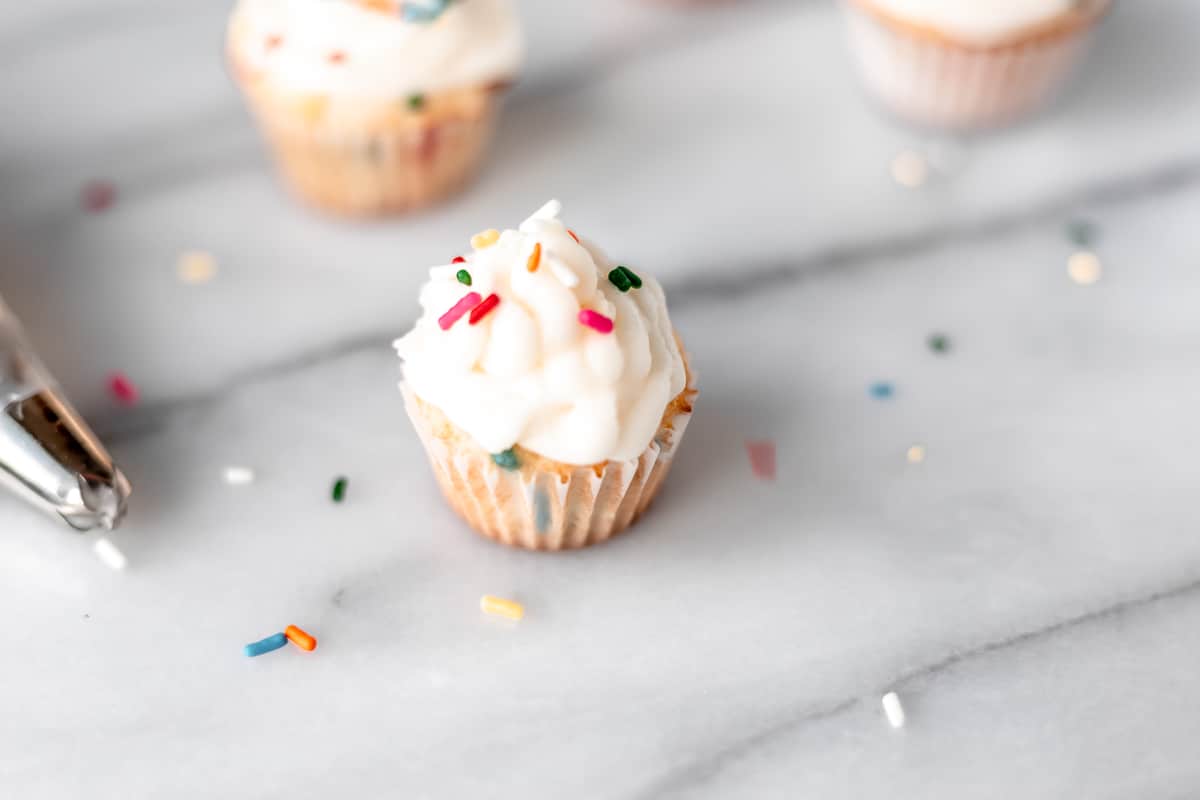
(1084, 267)
(762, 458)
(939, 343)
(98, 196)
(881, 390)
(500, 607)
(123, 389)
(264, 646)
(238, 476)
(339, 489)
(910, 170)
(916, 454)
(893, 710)
(196, 267)
(1082, 232)
(506, 459)
(110, 554)
(300, 638)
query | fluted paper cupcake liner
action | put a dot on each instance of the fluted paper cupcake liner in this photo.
(932, 80)
(541, 508)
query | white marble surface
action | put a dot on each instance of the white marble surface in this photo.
(1032, 590)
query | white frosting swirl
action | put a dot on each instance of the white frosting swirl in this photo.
(294, 44)
(976, 20)
(530, 373)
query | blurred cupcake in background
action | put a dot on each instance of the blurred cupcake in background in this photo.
(375, 106)
(968, 63)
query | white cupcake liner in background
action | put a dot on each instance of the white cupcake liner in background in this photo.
(543, 510)
(935, 82)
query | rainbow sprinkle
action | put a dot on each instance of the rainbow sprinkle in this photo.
(573, 236)
(762, 459)
(416, 102)
(483, 309)
(464, 277)
(624, 279)
(423, 10)
(339, 489)
(267, 645)
(98, 196)
(337, 57)
(468, 301)
(123, 389)
(485, 238)
(596, 321)
(535, 258)
(458, 260)
(506, 460)
(881, 390)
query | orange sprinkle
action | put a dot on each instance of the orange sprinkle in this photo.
(485, 238)
(573, 236)
(337, 57)
(300, 638)
(535, 258)
(274, 41)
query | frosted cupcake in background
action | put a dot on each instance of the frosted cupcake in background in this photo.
(375, 106)
(968, 63)
(547, 386)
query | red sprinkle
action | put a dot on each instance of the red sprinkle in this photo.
(573, 236)
(458, 260)
(762, 459)
(596, 321)
(468, 301)
(98, 196)
(483, 309)
(123, 389)
(337, 57)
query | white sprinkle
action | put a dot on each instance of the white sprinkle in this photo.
(239, 476)
(909, 169)
(107, 552)
(549, 211)
(916, 454)
(1084, 267)
(893, 710)
(565, 276)
(196, 267)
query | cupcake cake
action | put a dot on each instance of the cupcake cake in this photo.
(375, 106)
(547, 386)
(959, 64)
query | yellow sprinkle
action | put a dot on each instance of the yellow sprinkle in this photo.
(485, 238)
(909, 169)
(916, 454)
(312, 108)
(535, 258)
(1084, 267)
(196, 266)
(500, 607)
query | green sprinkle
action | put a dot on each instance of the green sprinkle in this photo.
(1082, 232)
(464, 277)
(416, 102)
(619, 279)
(339, 490)
(506, 460)
(634, 280)
(939, 342)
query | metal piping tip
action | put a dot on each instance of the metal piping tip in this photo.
(48, 454)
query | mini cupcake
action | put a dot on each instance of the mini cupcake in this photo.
(375, 106)
(547, 386)
(959, 64)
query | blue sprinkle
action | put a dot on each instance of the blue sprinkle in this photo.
(541, 511)
(424, 11)
(882, 390)
(506, 460)
(265, 646)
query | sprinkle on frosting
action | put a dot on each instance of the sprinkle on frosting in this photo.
(535, 258)
(457, 260)
(596, 321)
(506, 459)
(483, 309)
(465, 304)
(464, 277)
(416, 101)
(537, 375)
(337, 57)
(485, 238)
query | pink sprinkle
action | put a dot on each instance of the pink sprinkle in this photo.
(123, 389)
(468, 301)
(596, 321)
(762, 459)
(98, 196)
